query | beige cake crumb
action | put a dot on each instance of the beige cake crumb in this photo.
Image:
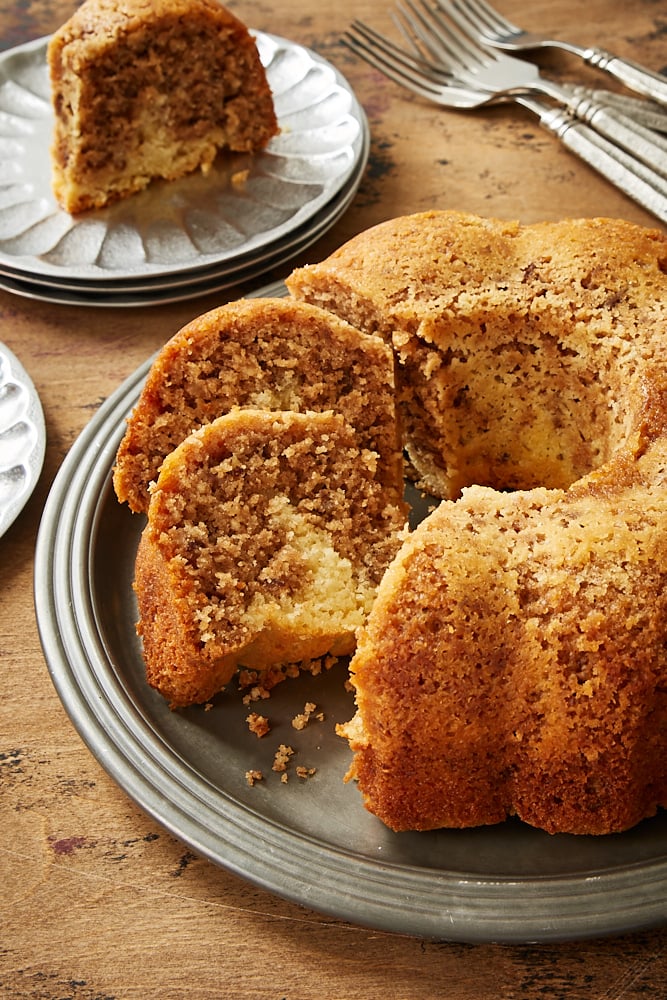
(239, 178)
(256, 693)
(247, 678)
(252, 777)
(305, 772)
(259, 684)
(301, 720)
(282, 756)
(258, 724)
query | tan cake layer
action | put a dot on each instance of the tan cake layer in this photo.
(515, 662)
(143, 89)
(267, 536)
(516, 344)
(267, 354)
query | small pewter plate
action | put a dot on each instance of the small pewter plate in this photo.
(309, 840)
(22, 438)
(196, 222)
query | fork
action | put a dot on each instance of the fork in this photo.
(494, 29)
(420, 76)
(447, 41)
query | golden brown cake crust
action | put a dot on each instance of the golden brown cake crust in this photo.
(515, 661)
(262, 353)
(144, 90)
(267, 536)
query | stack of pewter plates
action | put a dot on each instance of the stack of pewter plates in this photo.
(184, 238)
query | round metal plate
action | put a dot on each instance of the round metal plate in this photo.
(310, 841)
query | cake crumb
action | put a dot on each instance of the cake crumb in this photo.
(258, 724)
(256, 693)
(247, 678)
(239, 178)
(305, 772)
(301, 721)
(253, 776)
(281, 758)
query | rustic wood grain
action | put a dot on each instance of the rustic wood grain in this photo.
(96, 901)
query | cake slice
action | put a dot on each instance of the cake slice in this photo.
(268, 534)
(143, 89)
(266, 354)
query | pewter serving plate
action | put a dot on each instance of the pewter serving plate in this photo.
(22, 438)
(196, 222)
(309, 840)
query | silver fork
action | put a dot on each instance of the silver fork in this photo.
(444, 34)
(494, 29)
(420, 76)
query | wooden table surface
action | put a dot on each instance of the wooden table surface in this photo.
(96, 900)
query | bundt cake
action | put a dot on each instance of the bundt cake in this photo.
(267, 536)
(515, 659)
(516, 344)
(267, 354)
(143, 89)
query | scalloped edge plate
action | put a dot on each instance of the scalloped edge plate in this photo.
(22, 438)
(160, 291)
(183, 225)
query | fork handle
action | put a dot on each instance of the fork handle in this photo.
(646, 113)
(636, 77)
(630, 135)
(635, 179)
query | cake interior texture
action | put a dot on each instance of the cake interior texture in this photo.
(271, 354)
(146, 89)
(516, 344)
(267, 536)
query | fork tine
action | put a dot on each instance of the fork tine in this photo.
(422, 24)
(413, 73)
(392, 54)
(383, 54)
(421, 41)
(369, 38)
(453, 31)
(485, 18)
(459, 15)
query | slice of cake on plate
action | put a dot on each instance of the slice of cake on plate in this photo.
(148, 89)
